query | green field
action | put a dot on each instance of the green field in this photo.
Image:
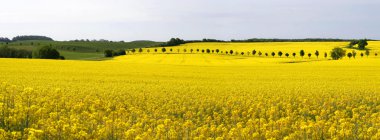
(81, 50)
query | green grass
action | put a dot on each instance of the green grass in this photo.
(82, 55)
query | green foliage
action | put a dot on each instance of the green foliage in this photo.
(349, 55)
(163, 49)
(6, 52)
(316, 53)
(31, 37)
(4, 39)
(108, 53)
(46, 52)
(337, 53)
(287, 54)
(173, 42)
(279, 53)
(302, 53)
(367, 53)
(362, 44)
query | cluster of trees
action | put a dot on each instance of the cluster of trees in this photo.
(173, 42)
(112, 53)
(31, 37)
(6, 52)
(4, 39)
(47, 52)
(361, 44)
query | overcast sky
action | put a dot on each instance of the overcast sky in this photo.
(190, 19)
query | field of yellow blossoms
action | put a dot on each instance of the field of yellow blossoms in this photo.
(193, 96)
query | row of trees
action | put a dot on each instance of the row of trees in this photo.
(336, 53)
(6, 52)
(44, 52)
(291, 40)
(25, 38)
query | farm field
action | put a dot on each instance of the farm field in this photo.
(194, 95)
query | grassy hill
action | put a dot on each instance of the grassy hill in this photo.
(81, 50)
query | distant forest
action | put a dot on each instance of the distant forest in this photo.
(25, 37)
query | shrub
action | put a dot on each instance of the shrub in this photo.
(108, 53)
(337, 53)
(121, 52)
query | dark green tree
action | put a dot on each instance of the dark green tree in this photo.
(163, 50)
(294, 55)
(316, 53)
(287, 54)
(273, 54)
(46, 52)
(279, 53)
(362, 44)
(367, 53)
(349, 55)
(254, 52)
(302, 53)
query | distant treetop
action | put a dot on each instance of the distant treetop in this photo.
(4, 39)
(31, 37)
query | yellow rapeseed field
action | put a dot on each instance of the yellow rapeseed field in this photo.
(194, 95)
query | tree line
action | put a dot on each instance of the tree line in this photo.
(25, 38)
(335, 54)
(42, 52)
